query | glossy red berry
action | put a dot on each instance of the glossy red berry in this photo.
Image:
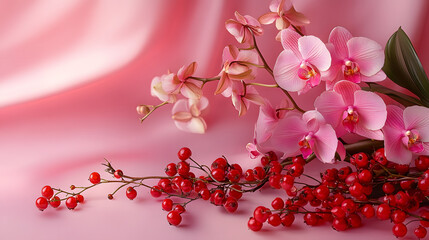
(274, 181)
(204, 194)
(278, 203)
(422, 163)
(420, 232)
(275, 167)
(234, 175)
(71, 203)
(184, 153)
(388, 188)
(47, 192)
(118, 174)
(402, 199)
(235, 192)
(338, 212)
(402, 168)
(398, 216)
(425, 215)
(156, 191)
(55, 202)
(217, 197)
(344, 172)
(249, 175)
(383, 211)
(365, 176)
(399, 230)
(174, 218)
(287, 182)
(349, 206)
(254, 225)
(183, 168)
(131, 193)
(321, 192)
(339, 224)
(186, 186)
(218, 174)
(79, 198)
(167, 204)
(287, 219)
(296, 170)
(230, 204)
(274, 220)
(379, 156)
(41, 203)
(299, 160)
(259, 173)
(406, 184)
(94, 178)
(311, 219)
(360, 160)
(219, 163)
(179, 208)
(261, 214)
(171, 169)
(356, 190)
(368, 211)
(165, 184)
(354, 220)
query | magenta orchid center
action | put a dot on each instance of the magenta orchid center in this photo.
(351, 71)
(350, 119)
(412, 141)
(309, 73)
(305, 145)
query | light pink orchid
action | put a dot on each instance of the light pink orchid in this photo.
(349, 109)
(237, 66)
(243, 28)
(187, 114)
(156, 89)
(243, 95)
(284, 14)
(181, 83)
(298, 67)
(406, 133)
(305, 135)
(357, 59)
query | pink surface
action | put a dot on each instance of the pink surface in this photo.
(72, 73)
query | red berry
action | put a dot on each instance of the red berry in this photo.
(360, 160)
(383, 211)
(41, 203)
(349, 206)
(218, 174)
(94, 178)
(55, 202)
(156, 191)
(365, 176)
(219, 163)
(402, 168)
(259, 173)
(254, 225)
(204, 194)
(71, 203)
(420, 232)
(179, 208)
(379, 156)
(275, 167)
(167, 204)
(171, 169)
(184, 153)
(234, 175)
(322, 192)
(118, 174)
(165, 184)
(423, 184)
(425, 215)
(274, 220)
(217, 197)
(311, 219)
(351, 178)
(80, 198)
(235, 192)
(354, 220)
(238, 168)
(174, 218)
(274, 181)
(356, 190)
(261, 214)
(287, 182)
(402, 199)
(344, 172)
(230, 204)
(338, 212)
(388, 188)
(199, 185)
(406, 184)
(398, 216)
(422, 163)
(265, 161)
(249, 175)
(278, 203)
(183, 168)
(131, 193)
(186, 186)
(287, 219)
(399, 230)
(47, 192)
(296, 170)
(299, 160)
(368, 211)
(339, 224)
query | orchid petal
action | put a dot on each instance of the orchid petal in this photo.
(371, 109)
(378, 77)
(253, 150)
(235, 29)
(224, 83)
(182, 116)
(289, 40)
(339, 37)
(313, 50)
(368, 54)
(190, 90)
(287, 134)
(184, 73)
(268, 18)
(195, 125)
(170, 83)
(286, 71)
(395, 150)
(331, 105)
(296, 18)
(230, 53)
(341, 150)
(325, 143)
(248, 56)
(282, 23)
(265, 123)
(347, 90)
(395, 118)
(417, 117)
(371, 134)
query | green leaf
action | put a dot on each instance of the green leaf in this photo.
(401, 98)
(403, 66)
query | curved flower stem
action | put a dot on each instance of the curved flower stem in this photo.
(263, 85)
(205, 80)
(297, 30)
(270, 71)
(295, 105)
(152, 110)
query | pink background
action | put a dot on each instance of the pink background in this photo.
(72, 73)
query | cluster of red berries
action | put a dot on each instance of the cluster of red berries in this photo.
(343, 197)
(371, 186)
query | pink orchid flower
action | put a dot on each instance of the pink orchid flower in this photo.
(357, 59)
(406, 133)
(243, 95)
(156, 89)
(187, 114)
(298, 67)
(267, 120)
(284, 14)
(237, 66)
(349, 109)
(306, 134)
(243, 28)
(181, 83)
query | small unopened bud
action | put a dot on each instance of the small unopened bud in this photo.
(110, 196)
(142, 109)
(72, 187)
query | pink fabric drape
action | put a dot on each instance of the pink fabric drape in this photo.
(72, 73)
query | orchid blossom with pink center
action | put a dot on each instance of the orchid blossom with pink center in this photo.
(181, 83)
(238, 66)
(406, 133)
(243, 95)
(267, 120)
(243, 28)
(298, 67)
(156, 89)
(284, 14)
(357, 59)
(349, 109)
(187, 114)
(305, 135)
